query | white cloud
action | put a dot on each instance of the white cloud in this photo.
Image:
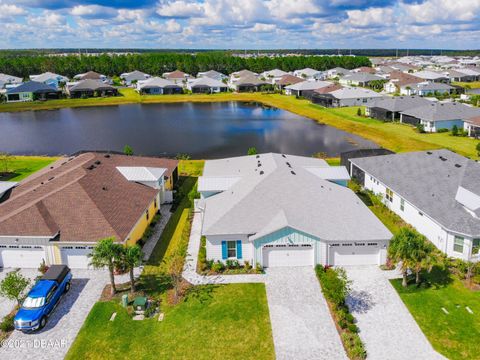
(259, 27)
(370, 17)
(433, 11)
(180, 9)
(93, 11)
(9, 10)
(173, 26)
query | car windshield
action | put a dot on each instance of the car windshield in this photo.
(32, 303)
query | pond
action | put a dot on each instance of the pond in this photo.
(201, 130)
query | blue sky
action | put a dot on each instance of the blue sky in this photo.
(252, 24)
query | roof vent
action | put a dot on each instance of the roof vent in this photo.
(104, 188)
(258, 156)
(97, 162)
(53, 177)
(442, 158)
(293, 172)
(106, 156)
(429, 153)
(283, 155)
(458, 165)
(259, 164)
(261, 172)
(288, 164)
(91, 167)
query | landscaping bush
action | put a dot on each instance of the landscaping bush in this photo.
(218, 266)
(420, 128)
(7, 324)
(355, 348)
(442, 130)
(335, 285)
(247, 265)
(478, 148)
(202, 254)
(455, 130)
(232, 264)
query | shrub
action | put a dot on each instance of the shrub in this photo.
(335, 285)
(202, 254)
(43, 267)
(252, 151)
(443, 130)
(354, 346)
(218, 266)
(359, 112)
(455, 130)
(478, 148)
(421, 128)
(258, 268)
(127, 150)
(353, 328)
(7, 324)
(247, 265)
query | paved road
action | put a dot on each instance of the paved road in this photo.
(386, 326)
(302, 326)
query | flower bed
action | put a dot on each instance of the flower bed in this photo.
(335, 287)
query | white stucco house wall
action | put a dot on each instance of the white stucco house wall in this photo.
(434, 191)
(279, 210)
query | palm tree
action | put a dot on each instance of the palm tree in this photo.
(132, 257)
(106, 254)
(404, 249)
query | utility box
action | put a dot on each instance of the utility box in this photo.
(125, 300)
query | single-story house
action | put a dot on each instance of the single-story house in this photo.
(133, 77)
(426, 88)
(299, 89)
(434, 191)
(92, 75)
(406, 68)
(309, 74)
(467, 96)
(473, 74)
(90, 88)
(458, 75)
(336, 72)
(472, 126)
(288, 79)
(389, 108)
(60, 213)
(364, 69)
(206, 85)
(359, 79)
(6, 187)
(435, 116)
(32, 90)
(158, 86)
(177, 76)
(432, 76)
(397, 79)
(273, 76)
(50, 79)
(346, 96)
(10, 79)
(249, 83)
(212, 74)
(279, 210)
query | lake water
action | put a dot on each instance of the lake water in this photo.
(202, 130)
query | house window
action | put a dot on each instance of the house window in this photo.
(402, 204)
(232, 249)
(458, 244)
(475, 246)
(389, 195)
(147, 215)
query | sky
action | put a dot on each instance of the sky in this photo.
(240, 24)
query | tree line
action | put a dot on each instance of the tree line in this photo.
(158, 63)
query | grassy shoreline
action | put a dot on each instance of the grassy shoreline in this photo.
(393, 136)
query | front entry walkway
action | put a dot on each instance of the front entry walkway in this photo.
(386, 326)
(302, 326)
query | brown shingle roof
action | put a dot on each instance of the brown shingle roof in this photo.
(289, 80)
(177, 74)
(90, 75)
(328, 89)
(82, 204)
(474, 120)
(402, 78)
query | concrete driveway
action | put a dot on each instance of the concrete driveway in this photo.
(55, 339)
(302, 326)
(386, 326)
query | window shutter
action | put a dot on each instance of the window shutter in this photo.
(239, 249)
(224, 250)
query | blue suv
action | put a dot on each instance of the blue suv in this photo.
(43, 298)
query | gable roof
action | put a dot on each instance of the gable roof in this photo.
(362, 77)
(177, 74)
(442, 111)
(134, 76)
(83, 198)
(249, 80)
(212, 74)
(10, 78)
(307, 71)
(309, 85)
(155, 82)
(430, 75)
(289, 80)
(430, 181)
(283, 196)
(243, 73)
(48, 76)
(400, 103)
(207, 82)
(328, 89)
(274, 73)
(400, 78)
(352, 92)
(89, 75)
(33, 87)
(90, 84)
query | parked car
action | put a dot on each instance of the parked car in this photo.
(43, 298)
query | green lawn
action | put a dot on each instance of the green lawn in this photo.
(221, 322)
(191, 167)
(455, 335)
(471, 85)
(22, 166)
(393, 136)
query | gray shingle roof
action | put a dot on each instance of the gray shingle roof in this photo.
(262, 203)
(430, 184)
(134, 76)
(33, 87)
(442, 111)
(362, 77)
(400, 103)
(90, 84)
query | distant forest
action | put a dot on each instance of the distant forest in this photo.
(25, 63)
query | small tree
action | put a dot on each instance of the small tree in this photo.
(455, 130)
(478, 148)
(5, 159)
(359, 112)
(175, 270)
(13, 286)
(106, 254)
(131, 257)
(252, 151)
(403, 249)
(127, 150)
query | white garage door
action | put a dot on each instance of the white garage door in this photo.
(76, 256)
(287, 255)
(354, 254)
(21, 256)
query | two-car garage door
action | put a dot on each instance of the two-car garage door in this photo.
(287, 255)
(354, 254)
(76, 257)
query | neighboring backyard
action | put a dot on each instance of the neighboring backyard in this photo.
(19, 167)
(211, 322)
(393, 136)
(456, 334)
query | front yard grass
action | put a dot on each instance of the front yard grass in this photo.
(22, 166)
(213, 322)
(455, 335)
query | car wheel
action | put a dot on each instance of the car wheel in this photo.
(43, 322)
(67, 286)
